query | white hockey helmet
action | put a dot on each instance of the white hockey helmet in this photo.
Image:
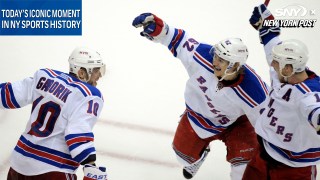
(82, 57)
(292, 52)
(232, 50)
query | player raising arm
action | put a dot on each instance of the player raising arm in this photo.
(65, 106)
(288, 128)
(222, 93)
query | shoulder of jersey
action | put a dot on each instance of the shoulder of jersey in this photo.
(203, 57)
(252, 90)
(309, 85)
(85, 88)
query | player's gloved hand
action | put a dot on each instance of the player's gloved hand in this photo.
(259, 14)
(153, 27)
(92, 172)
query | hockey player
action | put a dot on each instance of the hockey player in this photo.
(288, 128)
(222, 93)
(58, 136)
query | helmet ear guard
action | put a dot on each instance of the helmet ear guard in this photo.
(86, 58)
(292, 52)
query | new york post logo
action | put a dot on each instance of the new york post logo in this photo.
(295, 16)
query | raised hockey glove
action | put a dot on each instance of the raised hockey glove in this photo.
(92, 172)
(259, 15)
(153, 27)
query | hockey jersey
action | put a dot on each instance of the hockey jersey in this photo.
(290, 120)
(58, 135)
(210, 107)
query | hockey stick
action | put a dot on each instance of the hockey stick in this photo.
(266, 2)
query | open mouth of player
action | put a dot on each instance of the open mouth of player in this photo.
(216, 68)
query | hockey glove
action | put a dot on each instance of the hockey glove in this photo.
(259, 14)
(92, 172)
(153, 27)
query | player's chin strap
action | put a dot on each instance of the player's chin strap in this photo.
(226, 74)
(286, 77)
(88, 81)
(84, 79)
(229, 74)
(89, 77)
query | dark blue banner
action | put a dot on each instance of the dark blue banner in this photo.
(40, 17)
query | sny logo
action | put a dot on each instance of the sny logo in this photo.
(293, 10)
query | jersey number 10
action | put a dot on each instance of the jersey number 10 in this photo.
(93, 108)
